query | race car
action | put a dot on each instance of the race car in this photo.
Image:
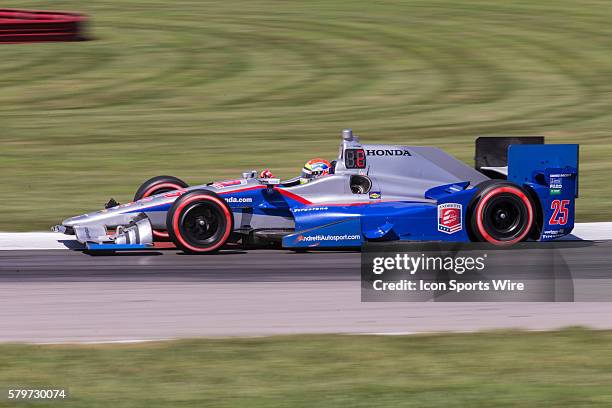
(520, 189)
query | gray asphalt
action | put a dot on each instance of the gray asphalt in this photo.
(68, 296)
(170, 265)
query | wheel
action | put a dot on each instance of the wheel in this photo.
(200, 222)
(159, 185)
(502, 213)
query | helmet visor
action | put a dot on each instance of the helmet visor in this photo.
(308, 174)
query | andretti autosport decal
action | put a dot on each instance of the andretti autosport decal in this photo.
(449, 218)
(328, 237)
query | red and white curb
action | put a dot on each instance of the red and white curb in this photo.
(12, 241)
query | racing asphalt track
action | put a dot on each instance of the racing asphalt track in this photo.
(51, 295)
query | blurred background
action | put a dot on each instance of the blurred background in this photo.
(204, 90)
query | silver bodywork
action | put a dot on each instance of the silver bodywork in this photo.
(396, 172)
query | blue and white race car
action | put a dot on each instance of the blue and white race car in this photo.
(521, 189)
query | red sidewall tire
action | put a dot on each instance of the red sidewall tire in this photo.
(182, 204)
(157, 185)
(490, 191)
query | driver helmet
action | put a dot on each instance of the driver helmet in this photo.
(313, 169)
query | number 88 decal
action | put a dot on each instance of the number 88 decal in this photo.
(560, 213)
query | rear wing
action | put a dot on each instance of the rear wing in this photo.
(491, 158)
(527, 154)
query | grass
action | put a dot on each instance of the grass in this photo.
(203, 90)
(568, 368)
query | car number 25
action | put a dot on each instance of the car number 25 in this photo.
(560, 213)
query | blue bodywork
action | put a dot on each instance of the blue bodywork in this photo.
(549, 171)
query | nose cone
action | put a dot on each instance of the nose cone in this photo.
(72, 221)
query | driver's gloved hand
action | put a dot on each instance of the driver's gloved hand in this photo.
(266, 174)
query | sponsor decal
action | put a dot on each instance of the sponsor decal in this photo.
(387, 152)
(327, 237)
(307, 209)
(552, 234)
(556, 184)
(238, 200)
(375, 195)
(175, 193)
(449, 218)
(229, 183)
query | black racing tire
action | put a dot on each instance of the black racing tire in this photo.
(501, 213)
(159, 185)
(200, 222)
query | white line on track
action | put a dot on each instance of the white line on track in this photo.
(11, 241)
(167, 339)
(127, 341)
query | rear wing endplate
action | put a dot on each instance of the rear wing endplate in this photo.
(543, 163)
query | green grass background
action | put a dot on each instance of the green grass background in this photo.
(569, 368)
(205, 89)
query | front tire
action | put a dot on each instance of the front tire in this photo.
(159, 185)
(502, 214)
(200, 222)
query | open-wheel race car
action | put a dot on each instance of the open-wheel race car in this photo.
(520, 189)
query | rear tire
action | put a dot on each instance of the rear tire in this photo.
(159, 185)
(502, 213)
(200, 222)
